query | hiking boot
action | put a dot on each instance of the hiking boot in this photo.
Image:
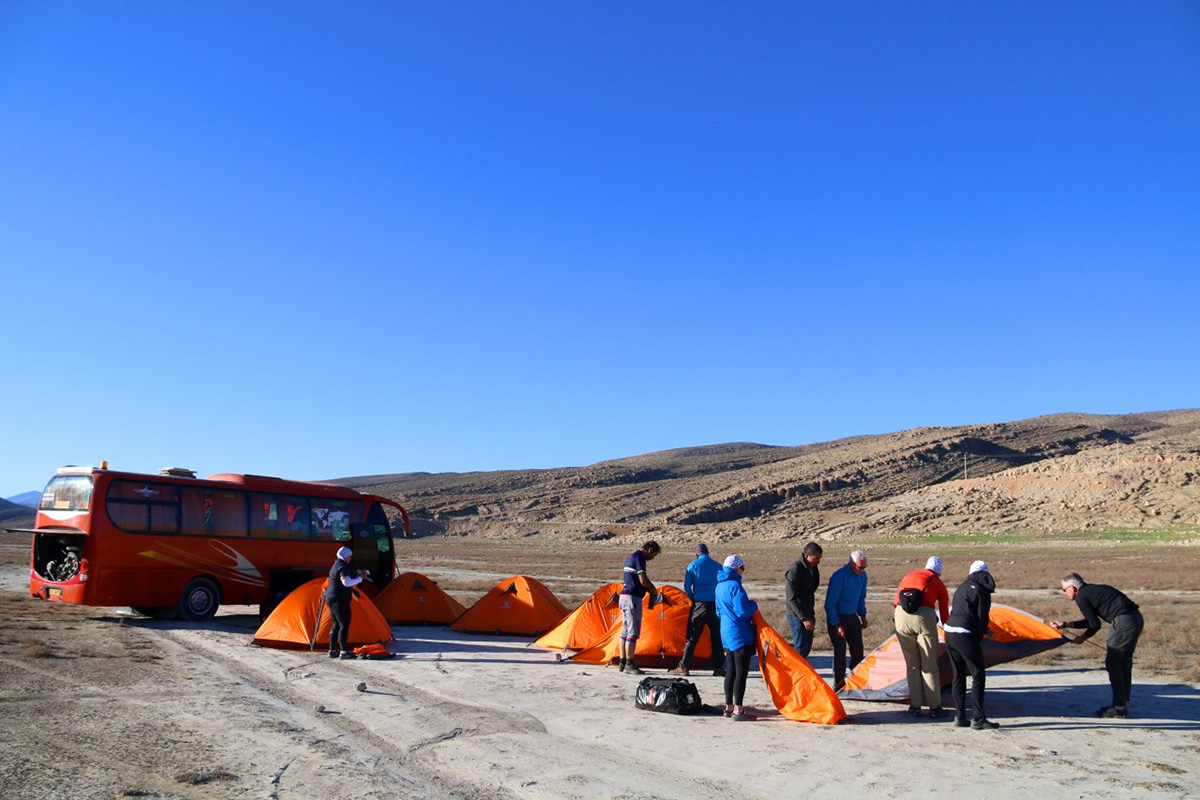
(1113, 712)
(333, 653)
(622, 667)
(915, 711)
(346, 654)
(678, 671)
(631, 669)
(984, 724)
(962, 722)
(937, 713)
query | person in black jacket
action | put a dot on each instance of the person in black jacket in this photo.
(801, 582)
(342, 579)
(1100, 602)
(965, 629)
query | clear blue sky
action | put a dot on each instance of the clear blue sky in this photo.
(317, 240)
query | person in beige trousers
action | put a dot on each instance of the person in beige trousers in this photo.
(920, 600)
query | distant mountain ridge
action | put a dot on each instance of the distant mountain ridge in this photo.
(12, 513)
(27, 499)
(1057, 472)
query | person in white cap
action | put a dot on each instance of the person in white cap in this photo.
(342, 579)
(736, 610)
(919, 594)
(965, 629)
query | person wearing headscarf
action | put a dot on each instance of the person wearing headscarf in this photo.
(736, 610)
(700, 585)
(965, 629)
(920, 600)
(342, 580)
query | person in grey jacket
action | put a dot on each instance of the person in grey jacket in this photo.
(800, 592)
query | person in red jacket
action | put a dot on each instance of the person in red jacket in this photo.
(920, 593)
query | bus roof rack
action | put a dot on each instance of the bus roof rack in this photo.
(177, 472)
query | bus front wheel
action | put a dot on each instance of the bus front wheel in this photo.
(200, 599)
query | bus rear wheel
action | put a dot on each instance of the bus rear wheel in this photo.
(199, 600)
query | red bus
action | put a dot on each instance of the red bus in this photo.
(171, 544)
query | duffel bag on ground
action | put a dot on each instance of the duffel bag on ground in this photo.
(671, 695)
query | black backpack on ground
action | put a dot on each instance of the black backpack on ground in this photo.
(912, 599)
(671, 695)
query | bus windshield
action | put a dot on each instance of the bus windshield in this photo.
(67, 493)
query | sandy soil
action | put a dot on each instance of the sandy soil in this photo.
(100, 703)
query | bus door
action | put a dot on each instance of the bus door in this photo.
(372, 546)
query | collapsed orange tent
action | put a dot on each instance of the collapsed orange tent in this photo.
(294, 622)
(518, 605)
(798, 692)
(1015, 634)
(664, 633)
(413, 599)
(588, 623)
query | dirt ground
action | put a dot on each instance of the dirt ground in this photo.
(102, 703)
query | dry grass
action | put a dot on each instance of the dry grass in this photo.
(1160, 579)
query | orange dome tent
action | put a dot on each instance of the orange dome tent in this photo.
(1015, 634)
(518, 605)
(413, 599)
(664, 633)
(302, 620)
(798, 692)
(588, 623)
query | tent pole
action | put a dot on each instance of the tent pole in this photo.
(312, 643)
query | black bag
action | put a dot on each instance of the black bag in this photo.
(671, 695)
(912, 599)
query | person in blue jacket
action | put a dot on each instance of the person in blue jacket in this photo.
(736, 610)
(846, 613)
(700, 585)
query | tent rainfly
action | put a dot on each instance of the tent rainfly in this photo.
(588, 623)
(797, 691)
(1015, 634)
(519, 605)
(413, 599)
(664, 633)
(303, 621)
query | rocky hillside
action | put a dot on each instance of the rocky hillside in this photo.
(1060, 472)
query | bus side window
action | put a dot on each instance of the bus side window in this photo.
(332, 518)
(264, 516)
(211, 512)
(296, 518)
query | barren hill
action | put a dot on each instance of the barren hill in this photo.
(1059, 472)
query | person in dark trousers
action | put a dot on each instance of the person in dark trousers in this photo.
(1100, 602)
(800, 592)
(700, 585)
(846, 613)
(965, 629)
(342, 580)
(736, 610)
(637, 584)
